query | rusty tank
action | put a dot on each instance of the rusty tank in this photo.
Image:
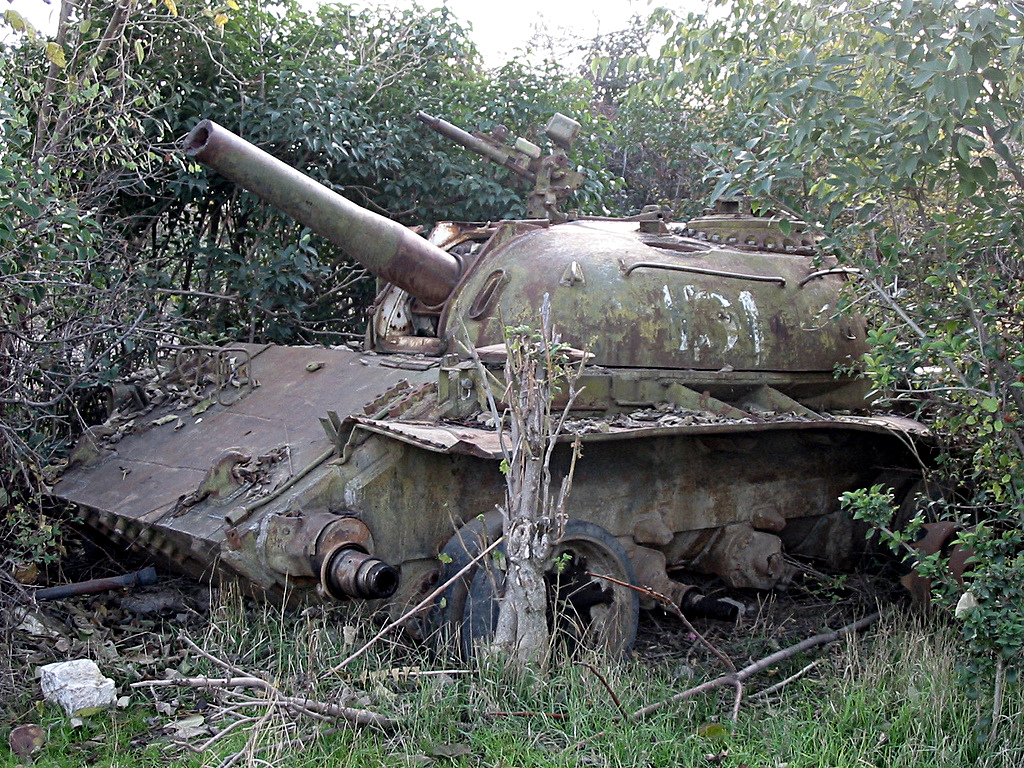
(719, 424)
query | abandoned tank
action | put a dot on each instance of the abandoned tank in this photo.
(717, 428)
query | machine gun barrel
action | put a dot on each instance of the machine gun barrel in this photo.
(514, 161)
(389, 250)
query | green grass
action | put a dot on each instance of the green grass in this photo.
(889, 698)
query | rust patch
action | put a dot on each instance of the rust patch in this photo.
(221, 479)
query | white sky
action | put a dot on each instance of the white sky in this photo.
(498, 27)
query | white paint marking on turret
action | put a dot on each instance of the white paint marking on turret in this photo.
(702, 341)
(746, 299)
(732, 332)
(668, 297)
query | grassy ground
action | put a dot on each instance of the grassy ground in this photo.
(886, 698)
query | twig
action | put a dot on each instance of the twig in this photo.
(675, 611)
(736, 679)
(303, 705)
(416, 608)
(607, 687)
(486, 379)
(735, 715)
(406, 673)
(549, 715)
(210, 657)
(997, 701)
(752, 669)
(201, 294)
(783, 683)
(298, 740)
(221, 734)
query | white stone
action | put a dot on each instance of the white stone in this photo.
(77, 685)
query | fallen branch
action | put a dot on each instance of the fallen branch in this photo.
(737, 678)
(607, 687)
(221, 734)
(280, 746)
(302, 705)
(783, 683)
(231, 668)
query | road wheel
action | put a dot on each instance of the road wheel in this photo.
(585, 611)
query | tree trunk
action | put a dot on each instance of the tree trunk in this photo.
(522, 621)
(533, 522)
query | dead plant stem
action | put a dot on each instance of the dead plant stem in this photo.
(675, 611)
(783, 683)
(607, 687)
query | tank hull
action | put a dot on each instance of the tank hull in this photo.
(254, 484)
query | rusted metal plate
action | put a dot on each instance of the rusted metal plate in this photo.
(887, 425)
(485, 443)
(440, 438)
(147, 472)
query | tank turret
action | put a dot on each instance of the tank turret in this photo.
(636, 293)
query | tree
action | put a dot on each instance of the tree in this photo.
(650, 139)
(74, 309)
(537, 366)
(895, 130)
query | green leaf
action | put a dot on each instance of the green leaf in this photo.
(55, 55)
(714, 732)
(16, 20)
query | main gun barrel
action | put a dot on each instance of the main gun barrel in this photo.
(386, 248)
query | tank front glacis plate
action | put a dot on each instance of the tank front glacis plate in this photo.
(150, 480)
(651, 315)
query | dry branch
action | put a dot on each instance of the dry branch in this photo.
(675, 611)
(607, 687)
(783, 683)
(737, 678)
(298, 704)
(272, 699)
